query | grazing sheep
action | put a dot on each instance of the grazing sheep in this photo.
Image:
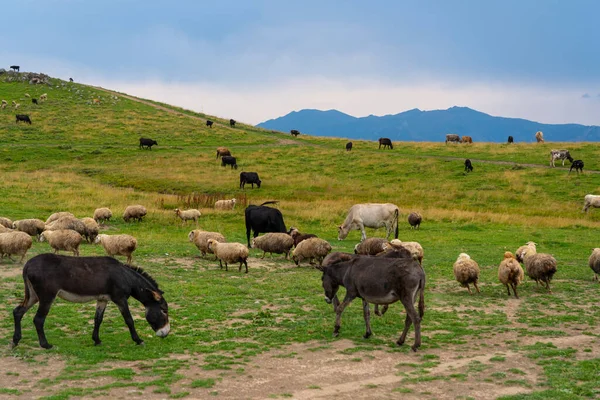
(91, 229)
(298, 237)
(521, 251)
(27, 95)
(414, 219)
(14, 243)
(223, 151)
(310, 249)
(17, 105)
(274, 242)
(200, 239)
(540, 267)
(539, 136)
(590, 200)
(4, 104)
(229, 253)
(186, 215)
(136, 212)
(58, 215)
(6, 222)
(31, 226)
(62, 239)
(466, 271)
(67, 222)
(510, 273)
(594, 262)
(415, 248)
(225, 204)
(102, 214)
(44, 97)
(121, 245)
(5, 229)
(371, 246)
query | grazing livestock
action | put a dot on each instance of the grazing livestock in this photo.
(348, 146)
(299, 237)
(135, 212)
(370, 215)
(34, 101)
(17, 105)
(147, 143)
(249, 177)
(263, 219)
(225, 204)
(379, 281)
(466, 271)
(186, 215)
(414, 220)
(594, 262)
(560, 155)
(468, 166)
(96, 101)
(590, 200)
(23, 118)
(222, 151)
(200, 239)
(82, 279)
(14, 242)
(540, 267)
(274, 242)
(102, 214)
(91, 229)
(3, 104)
(209, 123)
(229, 253)
(294, 132)
(451, 137)
(311, 249)
(578, 165)
(523, 250)
(414, 248)
(70, 79)
(385, 142)
(539, 136)
(62, 239)
(466, 139)
(511, 140)
(229, 160)
(31, 226)
(371, 246)
(232, 123)
(121, 245)
(15, 68)
(44, 97)
(510, 273)
(6, 222)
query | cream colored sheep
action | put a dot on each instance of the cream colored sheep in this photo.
(121, 245)
(510, 273)
(521, 251)
(62, 239)
(310, 249)
(58, 215)
(466, 271)
(225, 204)
(102, 214)
(594, 262)
(229, 253)
(415, 248)
(6, 222)
(15, 243)
(274, 242)
(136, 212)
(44, 96)
(91, 229)
(540, 267)
(187, 215)
(371, 246)
(591, 200)
(200, 239)
(31, 226)
(5, 229)
(67, 222)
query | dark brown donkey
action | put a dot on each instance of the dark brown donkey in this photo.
(82, 279)
(378, 280)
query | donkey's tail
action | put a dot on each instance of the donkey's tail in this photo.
(396, 213)
(422, 298)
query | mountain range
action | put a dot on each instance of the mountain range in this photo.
(428, 126)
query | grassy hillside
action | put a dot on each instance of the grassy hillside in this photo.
(77, 156)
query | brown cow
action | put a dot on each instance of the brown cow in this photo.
(466, 139)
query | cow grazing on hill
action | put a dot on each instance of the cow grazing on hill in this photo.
(229, 160)
(70, 79)
(147, 143)
(385, 142)
(34, 101)
(468, 165)
(578, 165)
(560, 155)
(232, 123)
(348, 146)
(249, 177)
(294, 132)
(466, 139)
(510, 139)
(209, 123)
(223, 151)
(370, 215)
(23, 118)
(451, 137)
(15, 68)
(263, 219)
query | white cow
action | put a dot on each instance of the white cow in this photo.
(560, 155)
(370, 215)
(590, 200)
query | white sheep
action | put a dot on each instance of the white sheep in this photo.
(58, 215)
(62, 239)
(121, 245)
(591, 200)
(27, 95)
(186, 215)
(6, 222)
(229, 253)
(91, 229)
(274, 242)
(521, 251)
(415, 248)
(44, 96)
(17, 105)
(200, 239)
(466, 271)
(225, 204)
(371, 246)
(102, 214)
(4, 103)
(67, 222)
(136, 212)
(5, 229)
(594, 262)
(310, 249)
(31, 226)
(15, 243)
(510, 273)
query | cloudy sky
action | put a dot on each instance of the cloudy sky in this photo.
(259, 59)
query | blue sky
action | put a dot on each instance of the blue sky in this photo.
(255, 60)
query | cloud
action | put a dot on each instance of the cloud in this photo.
(585, 96)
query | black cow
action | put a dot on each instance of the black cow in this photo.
(294, 132)
(148, 143)
(209, 123)
(510, 139)
(232, 123)
(386, 143)
(228, 160)
(34, 101)
(468, 165)
(23, 117)
(578, 165)
(70, 79)
(15, 67)
(262, 219)
(348, 146)
(249, 177)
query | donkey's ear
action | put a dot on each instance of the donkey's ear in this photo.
(156, 295)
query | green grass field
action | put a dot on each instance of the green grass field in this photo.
(77, 156)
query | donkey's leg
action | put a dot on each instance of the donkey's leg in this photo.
(100, 307)
(411, 316)
(367, 316)
(124, 308)
(339, 311)
(19, 311)
(40, 317)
